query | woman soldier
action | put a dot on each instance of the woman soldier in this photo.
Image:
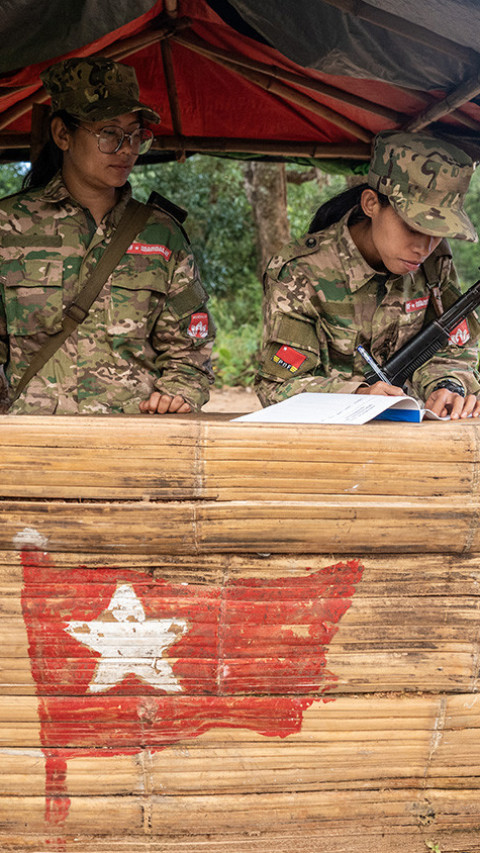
(145, 344)
(372, 265)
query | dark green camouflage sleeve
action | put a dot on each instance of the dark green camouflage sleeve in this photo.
(183, 338)
(296, 356)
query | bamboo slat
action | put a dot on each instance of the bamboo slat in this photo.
(374, 524)
(384, 575)
(182, 817)
(347, 841)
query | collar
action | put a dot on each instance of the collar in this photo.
(56, 192)
(356, 269)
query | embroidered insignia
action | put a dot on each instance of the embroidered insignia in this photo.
(416, 304)
(149, 249)
(289, 358)
(460, 335)
(198, 327)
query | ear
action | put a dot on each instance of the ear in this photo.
(369, 202)
(60, 133)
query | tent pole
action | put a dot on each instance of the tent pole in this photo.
(351, 151)
(23, 107)
(171, 8)
(464, 93)
(171, 88)
(14, 140)
(131, 45)
(276, 148)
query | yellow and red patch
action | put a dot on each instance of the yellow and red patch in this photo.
(289, 358)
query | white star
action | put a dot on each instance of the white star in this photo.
(129, 643)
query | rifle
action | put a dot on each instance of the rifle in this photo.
(428, 341)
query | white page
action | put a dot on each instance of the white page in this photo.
(311, 408)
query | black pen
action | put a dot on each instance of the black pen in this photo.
(373, 364)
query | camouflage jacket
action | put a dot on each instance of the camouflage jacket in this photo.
(148, 330)
(322, 299)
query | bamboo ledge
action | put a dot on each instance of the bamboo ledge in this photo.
(220, 486)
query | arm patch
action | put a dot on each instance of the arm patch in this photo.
(294, 350)
(189, 299)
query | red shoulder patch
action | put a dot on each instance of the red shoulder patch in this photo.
(289, 358)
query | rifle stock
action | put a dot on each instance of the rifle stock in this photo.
(423, 346)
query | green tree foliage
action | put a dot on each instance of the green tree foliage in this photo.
(219, 224)
(11, 177)
(467, 255)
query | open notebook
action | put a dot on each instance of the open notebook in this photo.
(341, 409)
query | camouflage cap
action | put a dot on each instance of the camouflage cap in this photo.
(425, 180)
(94, 88)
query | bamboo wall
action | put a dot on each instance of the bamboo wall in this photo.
(231, 637)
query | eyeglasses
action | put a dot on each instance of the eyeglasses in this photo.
(111, 138)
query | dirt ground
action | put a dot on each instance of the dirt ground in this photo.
(234, 399)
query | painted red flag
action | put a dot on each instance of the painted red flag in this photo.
(123, 661)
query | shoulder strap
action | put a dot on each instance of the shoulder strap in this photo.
(434, 269)
(133, 219)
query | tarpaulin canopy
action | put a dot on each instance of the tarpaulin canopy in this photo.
(280, 77)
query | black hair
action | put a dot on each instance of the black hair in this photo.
(333, 210)
(50, 159)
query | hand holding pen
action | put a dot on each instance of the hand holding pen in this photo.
(383, 386)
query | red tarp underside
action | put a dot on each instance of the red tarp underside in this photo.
(216, 102)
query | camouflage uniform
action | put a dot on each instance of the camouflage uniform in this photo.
(322, 299)
(148, 330)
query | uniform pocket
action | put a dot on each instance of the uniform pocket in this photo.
(136, 300)
(340, 339)
(33, 295)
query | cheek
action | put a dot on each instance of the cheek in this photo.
(395, 238)
(385, 238)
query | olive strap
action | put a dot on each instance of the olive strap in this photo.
(131, 223)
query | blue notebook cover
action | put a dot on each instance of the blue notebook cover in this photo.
(411, 415)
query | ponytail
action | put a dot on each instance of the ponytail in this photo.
(333, 210)
(50, 159)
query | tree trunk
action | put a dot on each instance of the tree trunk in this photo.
(266, 190)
